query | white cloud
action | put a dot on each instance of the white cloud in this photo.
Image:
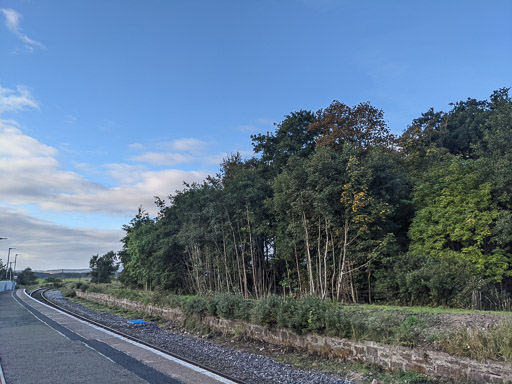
(190, 145)
(136, 146)
(159, 158)
(16, 100)
(45, 245)
(247, 128)
(12, 22)
(31, 174)
(125, 173)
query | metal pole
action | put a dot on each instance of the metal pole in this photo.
(10, 270)
(8, 255)
(15, 259)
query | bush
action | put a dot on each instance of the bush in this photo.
(286, 312)
(421, 280)
(265, 310)
(197, 305)
(84, 287)
(53, 282)
(410, 331)
(68, 292)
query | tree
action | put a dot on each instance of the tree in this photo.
(103, 268)
(455, 217)
(291, 138)
(27, 277)
(362, 126)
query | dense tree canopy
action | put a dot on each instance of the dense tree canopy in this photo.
(27, 277)
(103, 267)
(334, 205)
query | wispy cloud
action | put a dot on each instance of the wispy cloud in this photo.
(136, 146)
(247, 128)
(257, 125)
(46, 245)
(34, 176)
(70, 119)
(190, 145)
(12, 22)
(16, 100)
(162, 158)
(125, 173)
(180, 151)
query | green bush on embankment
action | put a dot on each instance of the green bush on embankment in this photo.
(391, 325)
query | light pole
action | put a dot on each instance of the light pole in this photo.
(8, 255)
(10, 271)
(15, 259)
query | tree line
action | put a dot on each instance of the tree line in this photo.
(334, 205)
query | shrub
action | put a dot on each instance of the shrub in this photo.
(68, 292)
(265, 310)
(53, 282)
(410, 330)
(231, 306)
(286, 312)
(337, 322)
(309, 315)
(84, 287)
(197, 305)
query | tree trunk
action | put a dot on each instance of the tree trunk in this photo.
(310, 267)
(298, 268)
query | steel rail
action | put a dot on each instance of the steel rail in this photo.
(38, 294)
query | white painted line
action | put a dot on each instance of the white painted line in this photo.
(171, 358)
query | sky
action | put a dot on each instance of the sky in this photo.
(105, 104)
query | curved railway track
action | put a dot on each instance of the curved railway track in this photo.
(38, 294)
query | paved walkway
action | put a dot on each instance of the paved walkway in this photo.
(41, 345)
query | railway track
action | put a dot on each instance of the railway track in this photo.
(39, 295)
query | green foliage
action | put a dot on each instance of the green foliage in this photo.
(265, 311)
(492, 344)
(68, 292)
(333, 206)
(197, 305)
(53, 282)
(454, 218)
(103, 268)
(27, 277)
(421, 280)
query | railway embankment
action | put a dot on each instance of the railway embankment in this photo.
(429, 362)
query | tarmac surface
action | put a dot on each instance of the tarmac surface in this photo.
(39, 345)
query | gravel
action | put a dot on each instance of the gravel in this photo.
(248, 367)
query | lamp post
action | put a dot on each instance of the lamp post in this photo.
(11, 274)
(15, 259)
(8, 255)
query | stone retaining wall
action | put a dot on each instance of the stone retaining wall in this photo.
(430, 363)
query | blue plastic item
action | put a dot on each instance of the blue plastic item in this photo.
(137, 321)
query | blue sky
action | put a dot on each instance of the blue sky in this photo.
(104, 104)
